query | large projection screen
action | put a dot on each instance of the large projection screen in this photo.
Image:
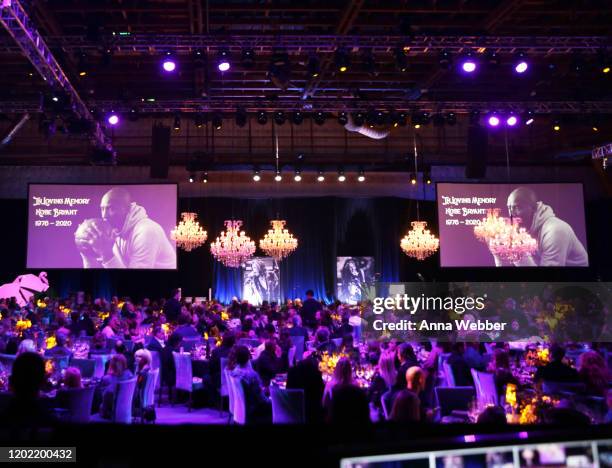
(118, 226)
(552, 214)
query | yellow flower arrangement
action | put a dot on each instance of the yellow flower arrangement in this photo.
(41, 304)
(166, 328)
(51, 342)
(49, 367)
(511, 395)
(528, 414)
(224, 316)
(22, 325)
(328, 362)
(103, 315)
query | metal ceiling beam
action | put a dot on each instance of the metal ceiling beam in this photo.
(16, 21)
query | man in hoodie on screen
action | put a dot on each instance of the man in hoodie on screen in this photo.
(557, 242)
(133, 241)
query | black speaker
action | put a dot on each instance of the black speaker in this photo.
(477, 144)
(160, 151)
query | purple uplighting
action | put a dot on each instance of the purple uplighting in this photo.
(521, 67)
(224, 65)
(169, 65)
(523, 435)
(511, 121)
(113, 119)
(493, 121)
(469, 66)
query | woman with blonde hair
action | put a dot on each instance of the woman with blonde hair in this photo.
(343, 375)
(26, 346)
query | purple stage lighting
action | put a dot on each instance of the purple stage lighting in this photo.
(113, 119)
(224, 65)
(511, 121)
(468, 65)
(169, 65)
(521, 67)
(493, 121)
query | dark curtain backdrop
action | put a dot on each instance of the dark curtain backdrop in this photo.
(325, 228)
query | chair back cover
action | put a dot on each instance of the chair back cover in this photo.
(239, 411)
(78, 402)
(291, 356)
(228, 388)
(129, 345)
(450, 399)
(224, 390)
(298, 342)
(486, 391)
(124, 394)
(190, 343)
(101, 360)
(448, 374)
(184, 372)
(287, 405)
(337, 342)
(148, 392)
(7, 361)
(249, 342)
(86, 366)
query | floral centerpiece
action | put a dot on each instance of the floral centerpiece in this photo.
(537, 357)
(328, 362)
(22, 325)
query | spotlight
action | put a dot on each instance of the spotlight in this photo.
(256, 176)
(343, 118)
(493, 121)
(191, 178)
(341, 60)
(451, 118)
(199, 120)
(468, 64)
(420, 118)
(493, 58)
(279, 117)
(278, 177)
(556, 125)
(605, 69)
(427, 177)
(113, 119)
(241, 118)
(445, 59)
(380, 118)
(298, 175)
(474, 117)
(321, 177)
(133, 114)
(177, 123)
(361, 176)
(223, 63)
(280, 69)
(83, 65)
(413, 178)
(520, 64)
(604, 62)
(511, 121)
(319, 118)
(297, 117)
(168, 63)
(313, 66)
(248, 58)
(204, 178)
(217, 121)
(262, 117)
(359, 119)
(529, 117)
(401, 60)
(399, 119)
(341, 176)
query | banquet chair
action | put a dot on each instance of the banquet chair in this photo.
(291, 356)
(486, 390)
(239, 407)
(448, 374)
(101, 360)
(298, 342)
(386, 402)
(441, 360)
(184, 376)
(224, 388)
(190, 343)
(287, 406)
(86, 366)
(124, 395)
(230, 393)
(78, 402)
(337, 342)
(556, 388)
(156, 364)
(147, 398)
(450, 399)
(7, 361)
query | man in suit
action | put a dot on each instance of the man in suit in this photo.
(223, 351)
(168, 370)
(172, 307)
(556, 370)
(407, 359)
(309, 310)
(298, 329)
(157, 342)
(306, 375)
(185, 328)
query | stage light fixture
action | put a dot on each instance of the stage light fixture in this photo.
(321, 177)
(297, 118)
(493, 120)
(113, 119)
(278, 177)
(133, 114)
(343, 118)
(177, 123)
(279, 117)
(529, 117)
(520, 63)
(361, 176)
(241, 118)
(427, 177)
(248, 58)
(217, 121)
(256, 176)
(297, 176)
(83, 65)
(169, 63)
(413, 178)
(474, 117)
(280, 69)
(319, 118)
(313, 66)
(223, 60)
(399, 119)
(199, 119)
(341, 60)
(445, 59)
(556, 125)
(511, 120)
(493, 58)
(468, 63)
(341, 176)
(262, 118)
(191, 178)
(204, 178)
(359, 118)
(401, 60)
(451, 118)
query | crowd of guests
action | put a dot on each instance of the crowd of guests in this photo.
(401, 389)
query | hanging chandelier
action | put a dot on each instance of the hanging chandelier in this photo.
(232, 247)
(278, 243)
(188, 234)
(490, 226)
(512, 243)
(419, 242)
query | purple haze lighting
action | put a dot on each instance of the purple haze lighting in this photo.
(169, 65)
(224, 65)
(469, 66)
(493, 121)
(113, 119)
(521, 67)
(523, 435)
(511, 121)
(469, 438)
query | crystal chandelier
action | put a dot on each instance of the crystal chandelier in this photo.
(188, 234)
(513, 242)
(278, 243)
(419, 242)
(232, 247)
(490, 226)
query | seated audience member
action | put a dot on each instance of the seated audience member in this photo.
(268, 363)
(473, 358)
(185, 329)
(157, 341)
(258, 408)
(168, 370)
(384, 379)
(460, 369)
(323, 343)
(298, 329)
(556, 370)
(98, 344)
(348, 347)
(223, 351)
(343, 375)
(349, 406)
(344, 329)
(26, 346)
(60, 350)
(25, 383)
(113, 328)
(117, 372)
(415, 384)
(500, 367)
(306, 375)
(594, 373)
(407, 359)
(494, 415)
(406, 408)
(72, 378)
